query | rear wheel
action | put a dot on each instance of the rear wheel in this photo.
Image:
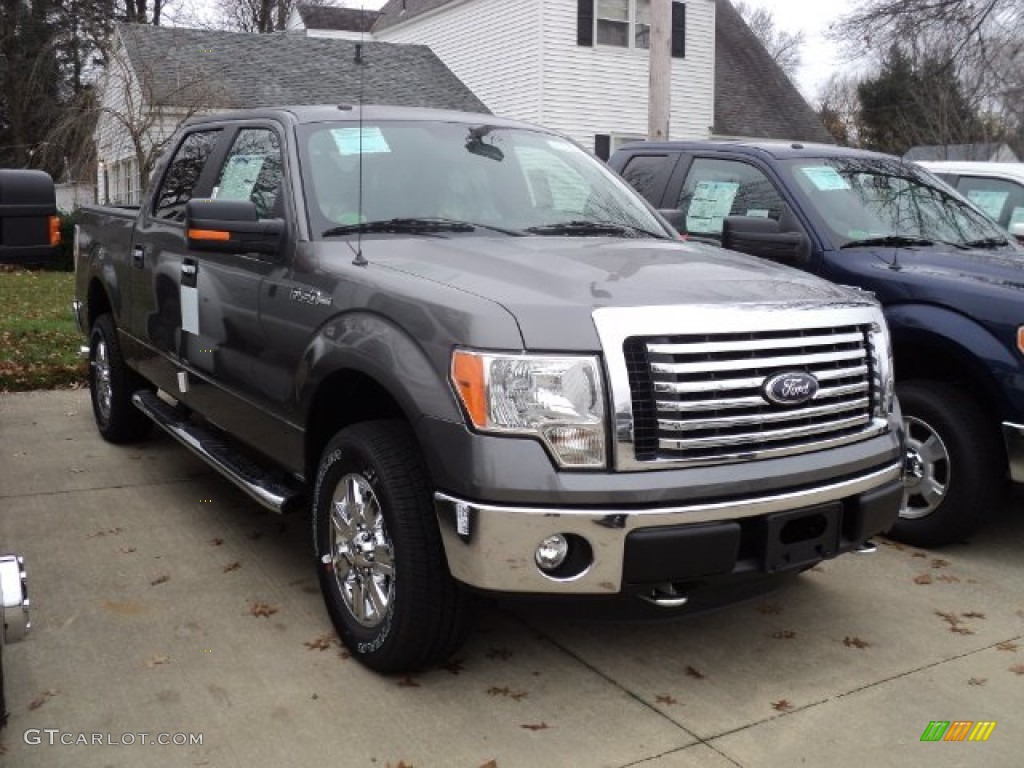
(955, 465)
(111, 384)
(379, 554)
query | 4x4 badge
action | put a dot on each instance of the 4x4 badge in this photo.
(789, 388)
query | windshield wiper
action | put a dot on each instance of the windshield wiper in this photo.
(402, 226)
(585, 227)
(894, 240)
(987, 242)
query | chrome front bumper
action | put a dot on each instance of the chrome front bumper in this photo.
(492, 547)
(1013, 434)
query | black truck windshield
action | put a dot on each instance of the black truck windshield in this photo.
(880, 201)
(490, 179)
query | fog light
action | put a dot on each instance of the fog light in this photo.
(552, 552)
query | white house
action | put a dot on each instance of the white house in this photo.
(582, 66)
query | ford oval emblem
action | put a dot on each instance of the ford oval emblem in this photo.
(790, 388)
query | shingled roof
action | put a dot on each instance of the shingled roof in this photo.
(395, 11)
(329, 17)
(753, 96)
(237, 70)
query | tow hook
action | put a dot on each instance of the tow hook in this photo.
(665, 596)
(867, 548)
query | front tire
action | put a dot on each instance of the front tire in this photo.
(955, 465)
(111, 384)
(379, 554)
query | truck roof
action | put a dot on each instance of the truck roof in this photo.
(774, 149)
(319, 113)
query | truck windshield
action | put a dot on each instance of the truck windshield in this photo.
(882, 201)
(429, 177)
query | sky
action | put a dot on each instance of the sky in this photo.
(820, 56)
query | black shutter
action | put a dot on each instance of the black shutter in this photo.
(603, 146)
(585, 23)
(678, 30)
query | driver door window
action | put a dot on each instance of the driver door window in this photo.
(252, 171)
(715, 189)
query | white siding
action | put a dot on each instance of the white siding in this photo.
(492, 46)
(521, 59)
(603, 90)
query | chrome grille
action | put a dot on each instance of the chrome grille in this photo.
(698, 398)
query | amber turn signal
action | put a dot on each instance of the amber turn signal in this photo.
(468, 377)
(208, 234)
(54, 231)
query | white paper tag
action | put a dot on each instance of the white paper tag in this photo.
(189, 310)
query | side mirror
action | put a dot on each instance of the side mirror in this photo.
(231, 226)
(1017, 230)
(761, 237)
(29, 227)
(675, 217)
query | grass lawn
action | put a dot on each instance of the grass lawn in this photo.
(38, 338)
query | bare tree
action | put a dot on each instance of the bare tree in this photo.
(839, 109)
(980, 43)
(784, 47)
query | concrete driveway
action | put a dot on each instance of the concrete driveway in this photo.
(167, 604)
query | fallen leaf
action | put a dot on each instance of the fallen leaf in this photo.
(106, 532)
(126, 550)
(321, 643)
(232, 567)
(160, 580)
(454, 666)
(216, 542)
(490, 764)
(502, 654)
(919, 554)
(400, 764)
(695, 673)
(950, 618)
(948, 578)
(77, 470)
(974, 615)
(542, 726)
(770, 609)
(156, 661)
(894, 544)
(666, 699)
(977, 681)
(257, 608)
(924, 578)
(496, 691)
(344, 654)
(42, 698)
(855, 642)
(962, 630)
(1007, 646)
(315, 696)
(781, 705)
(408, 682)
(1017, 669)
(938, 562)
(784, 634)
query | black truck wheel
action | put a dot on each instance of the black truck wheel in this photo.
(955, 465)
(379, 554)
(111, 384)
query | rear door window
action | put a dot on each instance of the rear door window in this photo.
(717, 188)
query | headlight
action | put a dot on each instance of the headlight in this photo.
(881, 349)
(554, 398)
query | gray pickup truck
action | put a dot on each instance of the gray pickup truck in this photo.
(488, 366)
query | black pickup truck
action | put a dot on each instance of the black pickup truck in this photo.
(488, 365)
(951, 283)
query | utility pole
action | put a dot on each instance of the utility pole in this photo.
(660, 91)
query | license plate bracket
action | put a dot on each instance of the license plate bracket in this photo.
(801, 537)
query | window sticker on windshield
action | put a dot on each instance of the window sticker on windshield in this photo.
(711, 203)
(757, 213)
(1016, 216)
(989, 200)
(347, 140)
(239, 177)
(825, 177)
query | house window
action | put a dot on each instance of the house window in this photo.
(626, 24)
(620, 21)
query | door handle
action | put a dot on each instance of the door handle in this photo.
(138, 256)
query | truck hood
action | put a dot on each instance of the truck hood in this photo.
(553, 284)
(976, 268)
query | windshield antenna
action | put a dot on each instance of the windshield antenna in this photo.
(360, 260)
